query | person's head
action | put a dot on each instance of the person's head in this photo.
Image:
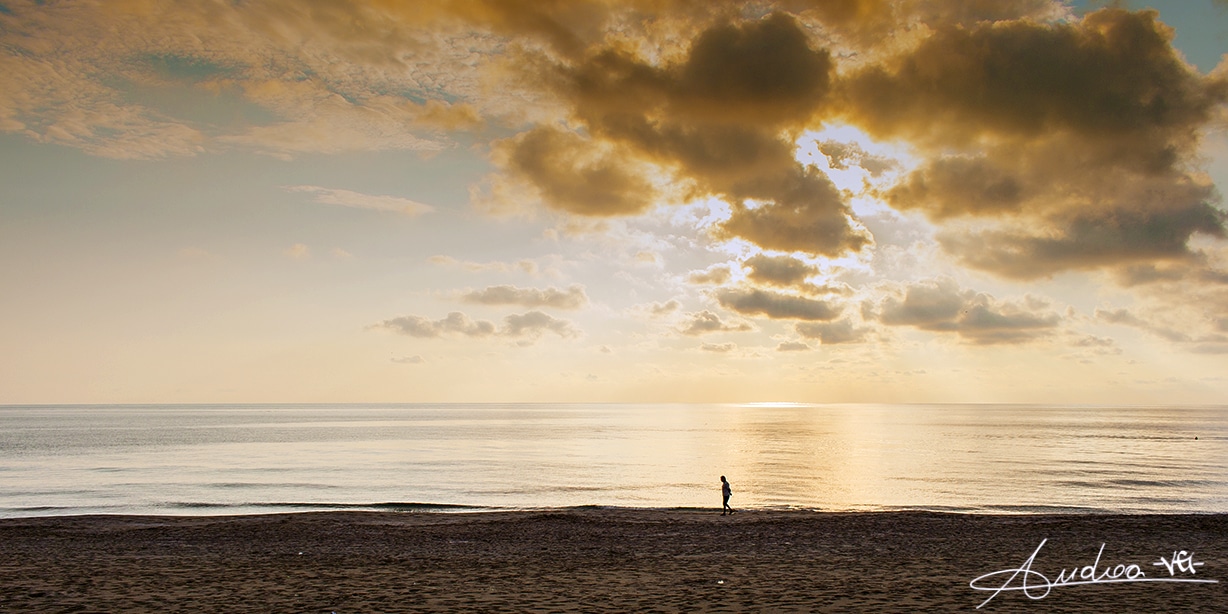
(722, 478)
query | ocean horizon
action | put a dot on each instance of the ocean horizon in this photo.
(232, 459)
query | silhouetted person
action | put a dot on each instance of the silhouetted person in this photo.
(726, 492)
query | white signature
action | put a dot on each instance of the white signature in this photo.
(1037, 586)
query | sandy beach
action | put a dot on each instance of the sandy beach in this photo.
(592, 559)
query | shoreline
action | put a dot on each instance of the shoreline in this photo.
(605, 559)
(223, 510)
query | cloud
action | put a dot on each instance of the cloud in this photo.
(1112, 75)
(1044, 142)
(1092, 341)
(776, 305)
(647, 257)
(455, 324)
(149, 79)
(409, 360)
(711, 118)
(298, 251)
(1128, 318)
(534, 324)
(781, 271)
(705, 322)
(1150, 273)
(716, 275)
(1092, 240)
(720, 348)
(942, 306)
(832, 333)
(841, 156)
(1070, 143)
(1100, 346)
(576, 174)
(523, 265)
(950, 186)
(527, 326)
(358, 200)
(793, 346)
(573, 297)
(664, 309)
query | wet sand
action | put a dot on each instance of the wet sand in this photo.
(583, 560)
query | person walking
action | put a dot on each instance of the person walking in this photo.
(726, 492)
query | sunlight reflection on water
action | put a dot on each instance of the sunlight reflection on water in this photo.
(237, 459)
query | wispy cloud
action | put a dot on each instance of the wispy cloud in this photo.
(705, 322)
(658, 309)
(454, 324)
(358, 200)
(534, 324)
(792, 346)
(298, 251)
(524, 328)
(525, 265)
(1128, 318)
(832, 333)
(573, 297)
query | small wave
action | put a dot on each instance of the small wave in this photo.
(246, 485)
(1044, 509)
(258, 507)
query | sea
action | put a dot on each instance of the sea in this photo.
(250, 459)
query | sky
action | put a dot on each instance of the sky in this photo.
(1016, 201)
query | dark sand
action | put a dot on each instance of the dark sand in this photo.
(595, 560)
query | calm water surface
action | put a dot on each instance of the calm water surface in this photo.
(232, 459)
